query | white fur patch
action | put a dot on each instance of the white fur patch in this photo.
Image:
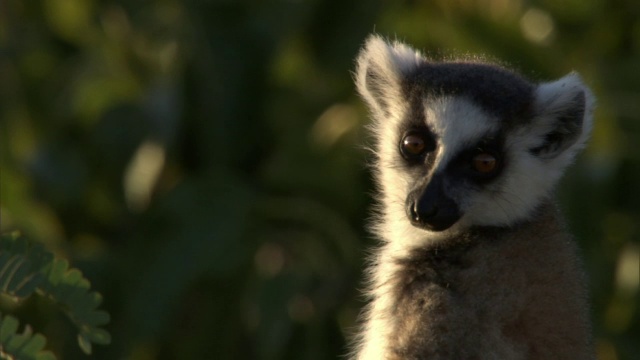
(457, 124)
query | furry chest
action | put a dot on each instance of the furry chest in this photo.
(450, 292)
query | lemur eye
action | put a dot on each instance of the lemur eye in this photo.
(484, 163)
(414, 144)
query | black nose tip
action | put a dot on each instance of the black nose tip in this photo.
(420, 213)
(434, 213)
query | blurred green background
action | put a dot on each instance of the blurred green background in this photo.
(202, 162)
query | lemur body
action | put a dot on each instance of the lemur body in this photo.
(475, 262)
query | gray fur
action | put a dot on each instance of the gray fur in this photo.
(484, 294)
(567, 131)
(498, 277)
(496, 90)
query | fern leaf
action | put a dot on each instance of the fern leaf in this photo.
(27, 345)
(68, 287)
(20, 266)
(25, 268)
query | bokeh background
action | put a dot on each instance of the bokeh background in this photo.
(202, 161)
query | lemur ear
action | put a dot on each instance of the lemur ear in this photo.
(564, 117)
(379, 71)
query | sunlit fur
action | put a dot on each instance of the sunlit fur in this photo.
(520, 195)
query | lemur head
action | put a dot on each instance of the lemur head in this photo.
(466, 143)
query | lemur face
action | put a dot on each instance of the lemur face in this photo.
(452, 136)
(466, 143)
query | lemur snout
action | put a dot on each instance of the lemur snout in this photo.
(431, 209)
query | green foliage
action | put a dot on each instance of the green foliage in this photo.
(21, 265)
(22, 346)
(27, 268)
(200, 162)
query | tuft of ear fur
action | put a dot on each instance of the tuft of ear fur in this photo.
(564, 110)
(380, 68)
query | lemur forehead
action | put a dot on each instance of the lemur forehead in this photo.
(496, 90)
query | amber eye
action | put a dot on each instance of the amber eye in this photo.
(413, 145)
(484, 163)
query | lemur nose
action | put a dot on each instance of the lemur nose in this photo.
(430, 208)
(422, 213)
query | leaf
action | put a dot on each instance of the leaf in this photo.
(8, 327)
(27, 268)
(16, 342)
(100, 318)
(19, 266)
(25, 345)
(74, 277)
(85, 344)
(69, 288)
(56, 272)
(99, 336)
(28, 285)
(34, 344)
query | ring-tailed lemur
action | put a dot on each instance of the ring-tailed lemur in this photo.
(475, 262)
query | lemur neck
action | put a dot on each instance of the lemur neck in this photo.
(545, 217)
(439, 262)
